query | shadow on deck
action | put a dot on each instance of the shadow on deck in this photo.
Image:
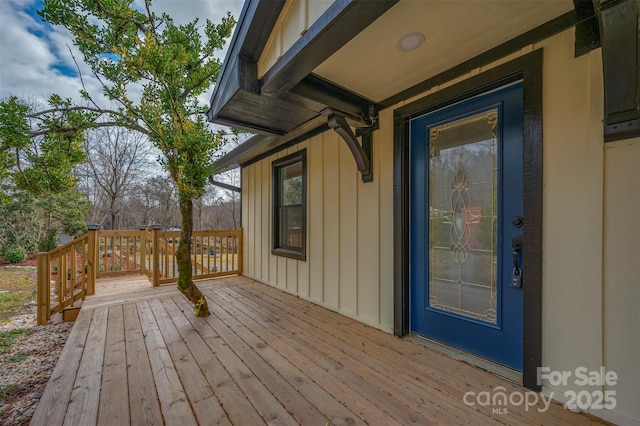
(137, 355)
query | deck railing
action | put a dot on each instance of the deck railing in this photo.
(63, 277)
(121, 253)
(213, 254)
(109, 253)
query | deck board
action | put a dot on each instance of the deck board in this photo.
(445, 378)
(352, 373)
(383, 372)
(271, 411)
(297, 383)
(296, 405)
(237, 407)
(114, 395)
(343, 393)
(138, 355)
(193, 381)
(85, 397)
(144, 406)
(52, 407)
(173, 399)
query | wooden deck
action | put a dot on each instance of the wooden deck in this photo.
(137, 355)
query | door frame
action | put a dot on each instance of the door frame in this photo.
(527, 68)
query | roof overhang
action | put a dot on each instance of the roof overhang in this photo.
(288, 100)
(322, 74)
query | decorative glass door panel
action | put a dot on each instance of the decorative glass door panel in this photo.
(465, 187)
(463, 178)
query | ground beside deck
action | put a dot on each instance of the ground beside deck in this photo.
(137, 355)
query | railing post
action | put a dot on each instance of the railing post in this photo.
(143, 248)
(240, 251)
(43, 289)
(94, 258)
(62, 278)
(156, 254)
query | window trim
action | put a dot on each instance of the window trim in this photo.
(276, 166)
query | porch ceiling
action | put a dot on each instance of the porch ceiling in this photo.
(455, 31)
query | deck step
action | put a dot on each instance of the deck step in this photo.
(70, 313)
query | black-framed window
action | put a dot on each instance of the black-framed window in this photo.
(290, 206)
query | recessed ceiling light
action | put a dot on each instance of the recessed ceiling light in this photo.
(410, 42)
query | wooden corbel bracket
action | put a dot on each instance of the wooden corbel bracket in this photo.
(361, 152)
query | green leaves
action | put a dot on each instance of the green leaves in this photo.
(135, 51)
(40, 149)
(36, 162)
(150, 69)
(14, 129)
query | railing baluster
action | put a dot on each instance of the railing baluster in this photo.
(199, 258)
(165, 253)
(112, 257)
(73, 272)
(226, 251)
(62, 278)
(122, 260)
(133, 252)
(173, 257)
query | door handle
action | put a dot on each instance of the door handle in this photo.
(516, 275)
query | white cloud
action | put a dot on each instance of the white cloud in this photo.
(31, 52)
(183, 11)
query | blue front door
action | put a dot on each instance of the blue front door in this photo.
(465, 210)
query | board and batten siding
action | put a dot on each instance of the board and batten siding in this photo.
(591, 195)
(349, 266)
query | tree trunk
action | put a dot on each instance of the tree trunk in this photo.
(112, 208)
(233, 210)
(183, 257)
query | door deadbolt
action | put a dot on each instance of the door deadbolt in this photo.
(517, 221)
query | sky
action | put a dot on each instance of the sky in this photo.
(35, 60)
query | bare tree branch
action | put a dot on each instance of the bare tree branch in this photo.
(81, 78)
(81, 128)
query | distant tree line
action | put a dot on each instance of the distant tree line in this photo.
(120, 186)
(127, 189)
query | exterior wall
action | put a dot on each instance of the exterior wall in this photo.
(349, 265)
(591, 291)
(621, 276)
(573, 182)
(295, 19)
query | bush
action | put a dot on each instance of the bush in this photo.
(14, 254)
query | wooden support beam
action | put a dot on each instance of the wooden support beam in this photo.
(336, 98)
(619, 35)
(587, 32)
(223, 185)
